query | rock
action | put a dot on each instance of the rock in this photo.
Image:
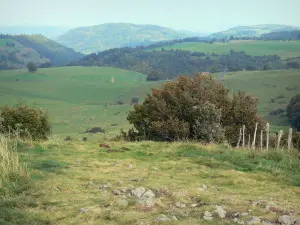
(236, 220)
(124, 190)
(116, 192)
(130, 166)
(138, 192)
(122, 203)
(253, 220)
(202, 189)
(244, 214)
(267, 223)
(163, 219)
(194, 205)
(208, 214)
(203, 186)
(237, 214)
(221, 212)
(148, 194)
(288, 220)
(297, 221)
(105, 186)
(149, 202)
(83, 210)
(180, 205)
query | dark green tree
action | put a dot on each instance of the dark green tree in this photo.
(31, 66)
(293, 112)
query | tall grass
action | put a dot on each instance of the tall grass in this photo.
(12, 171)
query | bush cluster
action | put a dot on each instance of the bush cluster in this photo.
(24, 122)
(193, 108)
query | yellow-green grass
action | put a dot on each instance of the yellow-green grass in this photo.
(67, 176)
(256, 48)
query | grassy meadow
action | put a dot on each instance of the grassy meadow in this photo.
(257, 48)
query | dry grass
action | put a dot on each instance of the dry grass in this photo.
(68, 176)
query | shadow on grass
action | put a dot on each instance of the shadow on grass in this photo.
(11, 215)
(52, 166)
(285, 166)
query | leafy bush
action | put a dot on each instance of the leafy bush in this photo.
(31, 67)
(25, 122)
(194, 108)
(293, 112)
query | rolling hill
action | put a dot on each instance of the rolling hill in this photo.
(17, 50)
(113, 35)
(78, 98)
(252, 31)
(250, 47)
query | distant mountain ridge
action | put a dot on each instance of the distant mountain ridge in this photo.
(252, 31)
(17, 50)
(102, 37)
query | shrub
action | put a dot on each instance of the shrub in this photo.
(195, 108)
(25, 122)
(135, 101)
(293, 112)
(31, 66)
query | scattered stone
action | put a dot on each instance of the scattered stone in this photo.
(130, 166)
(221, 212)
(122, 203)
(253, 220)
(121, 182)
(83, 210)
(163, 219)
(194, 205)
(124, 190)
(244, 214)
(180, 205)
(237, 214)
(149, 202)
(236, 220)
(207, 216)
(267, 223)
(202, 189)
(288, 220)
(116, 192)
(138, 192)
(105, 186)
(149, 194)
(203, 186)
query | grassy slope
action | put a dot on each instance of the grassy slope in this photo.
(283, 49)
(74, 96)
(67, 177)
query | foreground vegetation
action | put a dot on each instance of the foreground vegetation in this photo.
(76, 183)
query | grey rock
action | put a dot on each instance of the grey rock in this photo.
(207, 218)
(288, 220)
(253, 220)
(163, 219)
(208, 214)
(149, 202)
(174, 218)
(130, 166)
(194, 205)
(180, 205)
(105, 186)
(138, 192)
(122, 203)
(124, 190)
(83, 210)
(297, 221)
(244, 214)
(221, 212)
(203, 186)
(116, 192)
(236, 220)
(148, 194)
(267, 223)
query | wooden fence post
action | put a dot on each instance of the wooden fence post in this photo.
(254, 137)
(268, 136)
(240, 137)
(290, 138)
(261, 140)
(279, 138)
(243, 136)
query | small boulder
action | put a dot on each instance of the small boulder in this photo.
(221, 212)
(288, 220)
(149, 202)
(83, 210)
(207, 216)
(116, 192)
(149, 194)
(138, 192)
(180, 205)
(253, 220)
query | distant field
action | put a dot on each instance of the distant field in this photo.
(78, 98)
(258, 48)
(75, 96)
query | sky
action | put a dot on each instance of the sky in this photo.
(193, 15)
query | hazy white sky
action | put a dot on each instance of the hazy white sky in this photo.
(195, 15)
